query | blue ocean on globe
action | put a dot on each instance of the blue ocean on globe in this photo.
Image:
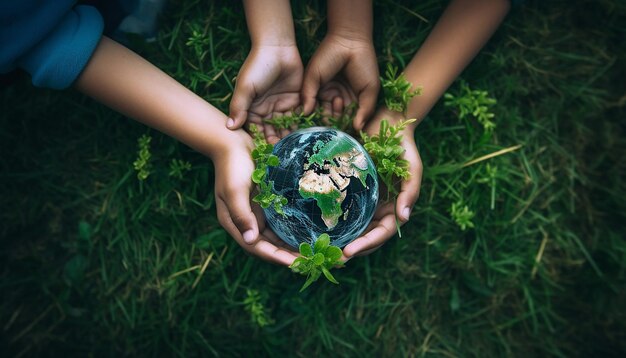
(330, 183)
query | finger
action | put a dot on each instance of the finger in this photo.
(318, 72)
(337, 106)
(367, 252)
(239, 105)
(239, 212)
(310, 87)
(270, 134)
(410, 188)
(284, 132)
(270, 252)
(385, 229)
(271, 237)
(224, 219)
(367, 105)
(326, 112)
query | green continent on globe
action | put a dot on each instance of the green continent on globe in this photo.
(327, 174)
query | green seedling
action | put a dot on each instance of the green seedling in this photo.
(263, 158)
(317, 260)
(294, 120)
(297, 120)
(344, 121)
(199, 41)
(473, 103)
(178, 167)
(143, 165)
(386, 151)
(254, 304)
(462, 215)
(490, 178)
(397, 90)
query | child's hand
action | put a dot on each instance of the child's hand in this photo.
(268, 85)
(349, 62)
(233, 185)
(383, 225)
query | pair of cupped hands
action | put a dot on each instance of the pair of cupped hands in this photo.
(273, 82)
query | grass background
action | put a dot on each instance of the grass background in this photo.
(94, 261)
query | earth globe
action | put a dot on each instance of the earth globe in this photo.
(330, 184)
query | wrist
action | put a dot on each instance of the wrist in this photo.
(275, 47)
(394, 118)
(277, 40)
(227, 142)
(351, 19)
(270, 22)
(346, 33)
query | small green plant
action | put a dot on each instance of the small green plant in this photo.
(317, 260)
(254, 304)
(344, 121)
(178, 167)
(474, 103)
(386, 151)
(397, 90)
(263, 157)
(294, 120)
(142, 165)
(198, 41)
(462, 215)
(491, 174)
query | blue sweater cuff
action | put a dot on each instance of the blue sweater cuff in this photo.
(59, 58)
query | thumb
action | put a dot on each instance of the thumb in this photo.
(237, 216)
(367, 105)
(310, 87)
(239, 105)
(410, 188)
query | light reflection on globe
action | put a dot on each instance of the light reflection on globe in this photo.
(330, 183)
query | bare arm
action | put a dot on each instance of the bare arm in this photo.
(270, 22)
(124, 81)
(351, 19)
(462, 31)
(127, 83)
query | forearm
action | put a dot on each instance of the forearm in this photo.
(270, 23)
(352, 19)
(462, 31)
(122, 80)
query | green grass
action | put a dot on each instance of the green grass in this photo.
(95, 261)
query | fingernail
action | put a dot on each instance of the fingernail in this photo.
(230, 123)
(406, 212)
(248, 236)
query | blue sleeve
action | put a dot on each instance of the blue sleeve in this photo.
(57, 60)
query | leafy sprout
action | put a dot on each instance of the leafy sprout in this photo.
(317, 260)
(386, 151)
(473, 103)
(295, 120)
(254, 304)
(143, 164)
(263, 157)
(178, 167)
(397, 90)
(462, 215)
